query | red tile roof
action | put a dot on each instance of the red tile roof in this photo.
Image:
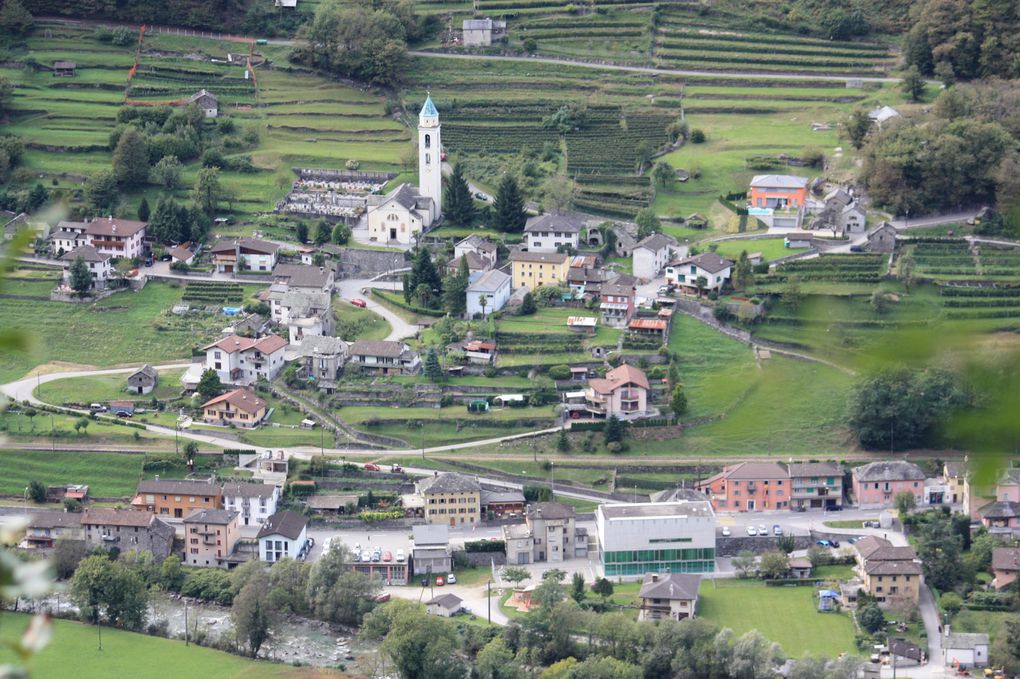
(240, 399)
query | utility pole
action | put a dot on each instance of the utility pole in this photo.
(488, 598)
(185, 621)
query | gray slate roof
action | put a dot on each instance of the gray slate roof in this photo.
(145, 371)
(889, 470)
(86, 252)
(322, 345)
(551, 222)
(656, 242)
(550, 510)
(490, 281)
(450, 482)
(1001, 510)
(55, 520)
(670, 586)
(214, 516)
(958, 640)
(248, 490)
(407, 197)
(177, 487)
(430, 534)
(302, 276)
(382, 348)
(778, 181)
(813, 469)
(451, 601)
(677, 495)
(709, 261)
(287, 523)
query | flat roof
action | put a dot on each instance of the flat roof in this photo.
(655, 510)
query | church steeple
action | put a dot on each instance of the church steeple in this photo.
(430, 149)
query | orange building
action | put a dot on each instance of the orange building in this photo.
(175, 498)
(778, 191)
(749, 487)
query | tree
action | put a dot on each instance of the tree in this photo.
(67, 554)
(603, 587)
(530, 45)
(496, 661)
(80, 277)
(171, 574)
(754, 657)
(323, 231)
(423, 284)
(301, 232)
(130, 158)
(701, 283)
(251, 613)
(341, 234)
(773, 565)
(743, 272)
(562, 442)
(905, 269)
(678, 400)
(870, 618)
(37, 197)
(939, 551)
(528, 306)
(614, 430)
(951, 603)
(458, 204)
(104, 589)
(515, 575)
(604, 667)
(81, 424)
(37, 492)
(558, 192)
(167, 172)
(857, 126)
(905, 503)
(335, 592)
(550, 591)
(647, 222)
(171, 222)
(663, 173)
(791, 294)
(190, 452)
(288, 581)
(745, 564)
(577, 588)
(913, 84)
(508, 208)
(101, 191)
(209, 385)
(14, 18)
(208, 192)
(433, 370)
(786, 544)
(455, 290)
(143, 210)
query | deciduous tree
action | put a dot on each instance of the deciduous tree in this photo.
(81, 277)
(209, 385)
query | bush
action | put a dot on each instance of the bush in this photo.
(476, 546)
(559, 372)
(697, 137)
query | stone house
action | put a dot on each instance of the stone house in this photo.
(143, 380)
(207, 101)
(127, 530)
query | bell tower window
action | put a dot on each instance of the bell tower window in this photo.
(428, 141)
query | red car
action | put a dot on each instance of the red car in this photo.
(440, 582)
(387, 556)
(371, 467)
(359, 303)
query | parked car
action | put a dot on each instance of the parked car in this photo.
(401, 557)
(752, 531)
(777, 530)
(381, 598)
(726, 531)
(98, 408)
(424, 582)
(452, 579)
(824, 543)
(148, 261)
(359, 303)
(123, 413)
(763, 530)
(387, 556)
(376, 556)
(396, 468)
(440, 582)
(835, 543)
(372, 467)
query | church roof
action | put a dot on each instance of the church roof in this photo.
(429, 109)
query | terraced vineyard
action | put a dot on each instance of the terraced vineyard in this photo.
(859, 268)
(207, 292)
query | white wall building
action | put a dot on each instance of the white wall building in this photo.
(652, 254)
(546, 233)
(242, 360)
(656, 537)
(430, 162)
(708, 265)
(100, 265)
(255, 502)
(493, 287)
(481, 32)
(284, 536)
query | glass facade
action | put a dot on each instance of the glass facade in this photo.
(639, 562)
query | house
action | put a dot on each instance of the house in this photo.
(143, 380)
(239, 407)
(488, 293)
(210, 537)
(905, 653)
(882, 114)
(964, 650)
(655, 327)
(667, 596)
(207, 101)
(535, 269)
(182, 254)
(651, 255)
(254, 502)
(401, 216)
(384, 357)
(749, 487)
(445, 605)
(957, 479)
(430, 552)
(655, 537)
(550, 233)
(45, 528)
(800, 568)
(305, 313)
(244, 360)
(502, 502)
(100, 265)
(586, 281)
(617, 304)
(64, 69)
(66, 237)
(686, 273)
(305, 278)
(623, 392)
(549, 533)
(117, 237)
(244, 254)
(893, 576)
(882, 239)
(1008, 487)
(852, 220)
(172, 498)
(284, 536)
(799, 239)
(815, 485)
(1005, 564)
(483, 249)
(478, 351)
(323, 361)
(476, 264)
(127, 530)
(451, 498)
(876, 484)
(778, 199)
(1001, 517)
(867, 546)
(481, 32)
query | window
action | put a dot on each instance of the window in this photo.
(428, 141)
(428, 159)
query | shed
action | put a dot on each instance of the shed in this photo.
(143, 380)
(445, 605)
(507, 399)
(207, 101)
(800, 568)
(478, 405)
(582, 323)
(65, 69)
(331, 503)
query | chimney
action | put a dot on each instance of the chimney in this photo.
(655, 577)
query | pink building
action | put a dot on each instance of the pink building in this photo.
(210, 536)
(622, 392)
(1008, 488)
(876, 484)
(749, 487)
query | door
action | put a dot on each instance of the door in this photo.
(750, 505)
(178, 513)
(453, 520)
(393, 233)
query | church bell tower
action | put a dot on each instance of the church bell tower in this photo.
(430, 165)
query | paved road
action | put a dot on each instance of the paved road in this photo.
(352, 288)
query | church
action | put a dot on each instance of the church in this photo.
(406, 212)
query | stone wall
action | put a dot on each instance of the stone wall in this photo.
(356, 263)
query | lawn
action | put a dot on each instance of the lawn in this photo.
(126, 654)
(364, 324)
(106, 474)
(787, 615)
(770, 248)
(19, 426)
(107, 388)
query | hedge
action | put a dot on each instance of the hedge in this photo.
(399, 302)
(477, 546)
(791, 582)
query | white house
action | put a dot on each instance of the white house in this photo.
(67, 236)
(444, 605)
(302, 312)
(882, 114)
(669, 595)
(283, 536)
(483, 248)
(655, 537)
(708, 265)
(384, 357)
(229, 256)
(481, 32)
(852, 219)
(109, 236)
(546, 233)
(243, 360)
(100, 265)
(255, 502)
(652, 254)
(406, 212)
(493, 287)
(207, 101)
(964, 650)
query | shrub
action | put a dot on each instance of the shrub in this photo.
(697, 137)
(559, 372)
(352, 164)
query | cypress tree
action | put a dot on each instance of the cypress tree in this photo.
(510, 216)
(460, 207)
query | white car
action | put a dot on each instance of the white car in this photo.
(752, 531)
(327, 545)
(763, 530)
(400, 555)
(726, 531)
(451, 579)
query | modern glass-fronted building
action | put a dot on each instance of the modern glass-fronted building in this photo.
(657, 537)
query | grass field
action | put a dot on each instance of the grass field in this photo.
(106, 474)
(369, 325)
(126, 654)
(770, 248)
(18, 426)
(787, 615)
(107, 388)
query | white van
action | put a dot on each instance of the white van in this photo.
(97, 408)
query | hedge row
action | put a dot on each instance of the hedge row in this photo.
(762, 48)
(980, 292)
(398, 301)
